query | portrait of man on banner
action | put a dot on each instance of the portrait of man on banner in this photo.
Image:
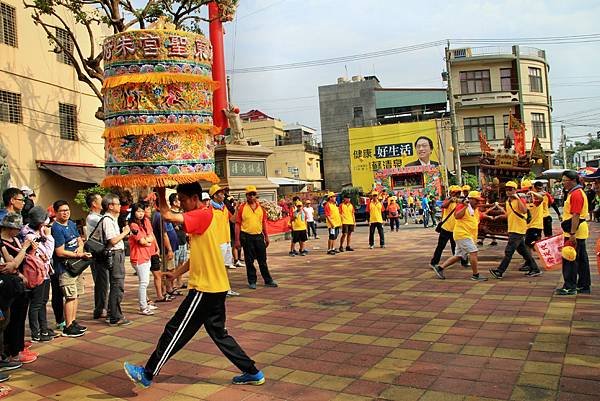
(424, 148)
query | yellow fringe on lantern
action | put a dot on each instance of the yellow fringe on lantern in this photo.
(157, 78)
(146, 129)
(158, 180)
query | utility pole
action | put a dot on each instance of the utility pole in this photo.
(563, 144)
(454, 130)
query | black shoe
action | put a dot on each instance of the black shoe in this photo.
(72, 331)
(304, 253)
(565, 291)
(496, 273)
(341, 249)
(349, 249)
(272, 284)
(4, 377)
(382, 246)
(533, 273)
(479, 243)
(81, 328)
(7, 365)
(494, 243)
(524, 268)
(331, 252)
(438, 272)
(335, 251)
(291, 253)
(477, 277)
(41, 338)
(50, 332)
(295, 252)
(586, 291)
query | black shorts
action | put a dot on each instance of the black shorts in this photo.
(333, 233)
(347, 228)
(532, 235)
(154, 263)
(299, 236)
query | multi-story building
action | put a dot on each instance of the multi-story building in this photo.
(52, 141)
(295, 163)
(362, 102)
(490, 83)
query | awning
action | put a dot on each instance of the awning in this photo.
(281, 181)
(79, 172)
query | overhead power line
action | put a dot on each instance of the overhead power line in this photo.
(589, 38)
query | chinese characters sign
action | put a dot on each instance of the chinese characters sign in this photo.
(246, 168)
(398, 150)
(549, 250)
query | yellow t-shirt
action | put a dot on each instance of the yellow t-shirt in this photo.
(467, 226)
(411, 201)
(298, 220)
(546, 206)
(375, 212)
(347, 213)
(207, 273)
(250, 220)
(333, 213)
(583, 231)
(516, 224)
(449, 224)
(537, 215)
(223, 232)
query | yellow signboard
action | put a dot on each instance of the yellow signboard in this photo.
(391, 150)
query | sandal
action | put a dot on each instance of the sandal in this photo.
(163, 299)
(169, 298)
(174, 293)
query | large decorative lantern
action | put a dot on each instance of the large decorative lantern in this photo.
(158, 91)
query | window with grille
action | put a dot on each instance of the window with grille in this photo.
(473, 124)
(475, 81)
(68, 121)
(64, 38)
(8, 25)
(538, 124)
(505, 119)
(10, 107)
(535, 80)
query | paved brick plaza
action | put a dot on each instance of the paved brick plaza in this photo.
(363, 325)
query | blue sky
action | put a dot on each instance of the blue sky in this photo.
(268, 32)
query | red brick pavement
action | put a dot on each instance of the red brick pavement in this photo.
(371, 324)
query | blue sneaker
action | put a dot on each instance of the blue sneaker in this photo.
(137, 375)
(255, 380)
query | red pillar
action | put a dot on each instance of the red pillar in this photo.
(218, 68)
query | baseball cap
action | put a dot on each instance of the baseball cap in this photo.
(511, 184)
(466, 187)
(298, 203)
(525, 184)
(250, 188)
(474, 195)
(205, 196)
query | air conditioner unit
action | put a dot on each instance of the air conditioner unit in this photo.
(461, 53)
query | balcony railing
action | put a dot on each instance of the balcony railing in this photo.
(468, 52)
(487, 98)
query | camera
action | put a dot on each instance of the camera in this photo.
(134, 232)
(40, 239)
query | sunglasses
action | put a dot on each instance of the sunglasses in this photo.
(251, 194)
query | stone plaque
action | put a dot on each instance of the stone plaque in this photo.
(247, 168)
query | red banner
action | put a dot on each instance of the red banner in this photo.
(549, 250)
(279, 226)
(520, 141)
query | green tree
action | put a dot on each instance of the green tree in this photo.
(470, 179)
(82, 193)
(579, 146)
(99, 16)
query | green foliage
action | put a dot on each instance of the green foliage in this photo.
(82, 193)
(354, 193)
(470, 179)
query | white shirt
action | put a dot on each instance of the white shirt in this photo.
(309, 212)
(110, 226)
(91, 222)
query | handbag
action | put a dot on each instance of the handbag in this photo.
(76, 266)
(154, 263)
(94, 246)
(438, 228)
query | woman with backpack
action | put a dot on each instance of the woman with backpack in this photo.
(13, 254)
(38, 232)
(143, 249)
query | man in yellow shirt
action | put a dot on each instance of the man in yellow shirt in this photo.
(535, 205)
(334, 222)
(576, 273)
(348, 222)
(465, 234)
(375, 207)
(446, 226)
(205, 302)
(298, 224)
(516, 214)
(251, 234)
